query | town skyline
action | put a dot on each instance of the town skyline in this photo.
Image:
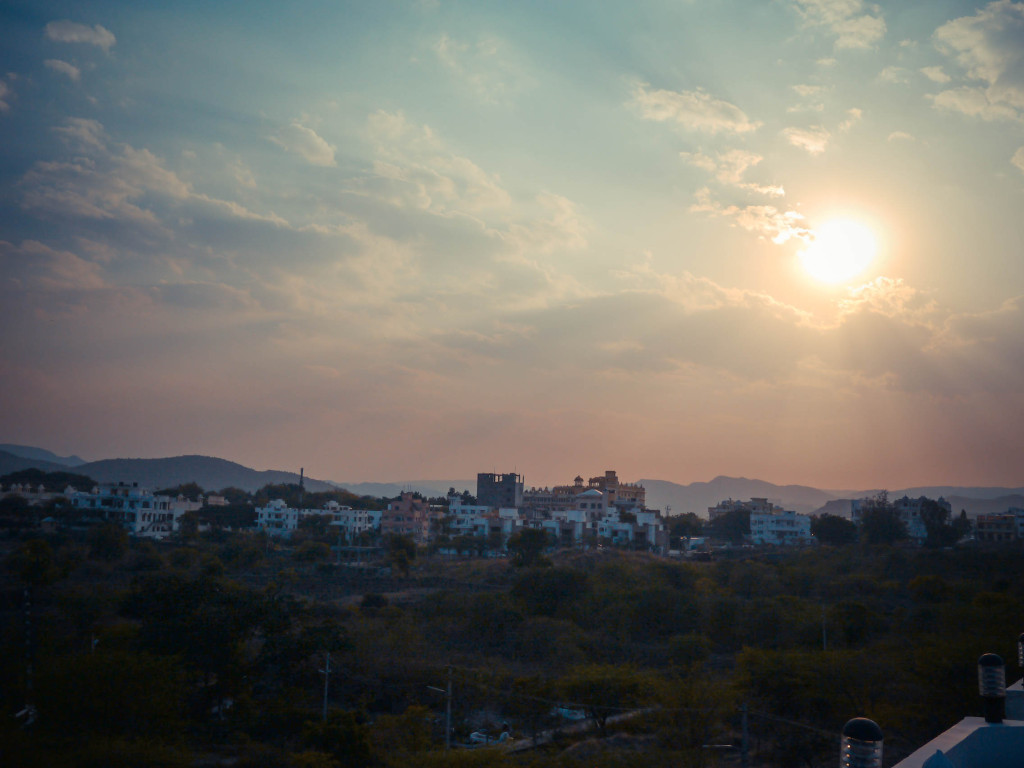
(382, 241)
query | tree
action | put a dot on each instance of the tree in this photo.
(191, 491)
(543, 592)
(604, 690)
(401, 552)
(936, 518)
(834, 530)
(685, 526)
(108, 541)
(880, 523)
(733, 525)
(527, 547)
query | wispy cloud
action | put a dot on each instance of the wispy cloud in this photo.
(936, 74)
(71, 32)
(894, 74)
(5, 92)
(988, 46)
(813, 140)
(63, 68)
(853, 23)
(766, 221)
(900, 136)
(729, 168)
(1018, 159)
(304, 141)
(428, 174)
(693, 110)
(973, 102)
(479, 65)
(853, 116)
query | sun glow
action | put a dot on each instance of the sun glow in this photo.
(840, 250)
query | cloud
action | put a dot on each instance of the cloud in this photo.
(71, 32)
(852, 23)
(34, 266)
(935, 74)
(1018, 159)
(425, 174)
(729, 168)
(990, 46)
(300, 140)
(64, 68)
(900, 136)
(813, 140)
(83, 133)
(853, 116)
(5, 92)
(693, 110)
(894, 74)
(479, 65)
(766, 221)
(973, 102)
(108, 182)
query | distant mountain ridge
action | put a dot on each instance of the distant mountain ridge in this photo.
(41, 454)
(697, 497)
(208, 471)
(213, 473)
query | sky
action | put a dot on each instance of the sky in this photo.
(778, 239)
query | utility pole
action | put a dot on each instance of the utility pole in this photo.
(326, 672)
(745, 745)
(824, 631)
(447, 691)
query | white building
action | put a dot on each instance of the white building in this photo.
(139, 510)
(278, 519)
(780, 527)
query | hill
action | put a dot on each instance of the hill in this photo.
(10, 462)
(41, 454)
(208, 471)
(697, 497)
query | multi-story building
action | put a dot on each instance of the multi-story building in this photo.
(278, 519)
(563, 497)
(780, 527)
(499, 491)
(138, 510)
(407, 516)
(1007, 526)
(755, 506)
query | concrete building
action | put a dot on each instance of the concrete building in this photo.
(1005, 527)
(499, 490)
(278, 519)
(407, 516)
(137, 509)
(780, 527)
(563, 497)
(754, 506)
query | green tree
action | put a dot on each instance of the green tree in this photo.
(527, 547)
(881, 524)
(604, 690)
(342, 737)
(733, 525)
(108, 541)
(191, 491)
(685, 526)
(401, 552)
(834, 530)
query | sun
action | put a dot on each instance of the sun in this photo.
(840, 250)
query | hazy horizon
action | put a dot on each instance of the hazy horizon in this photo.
(679, 240)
